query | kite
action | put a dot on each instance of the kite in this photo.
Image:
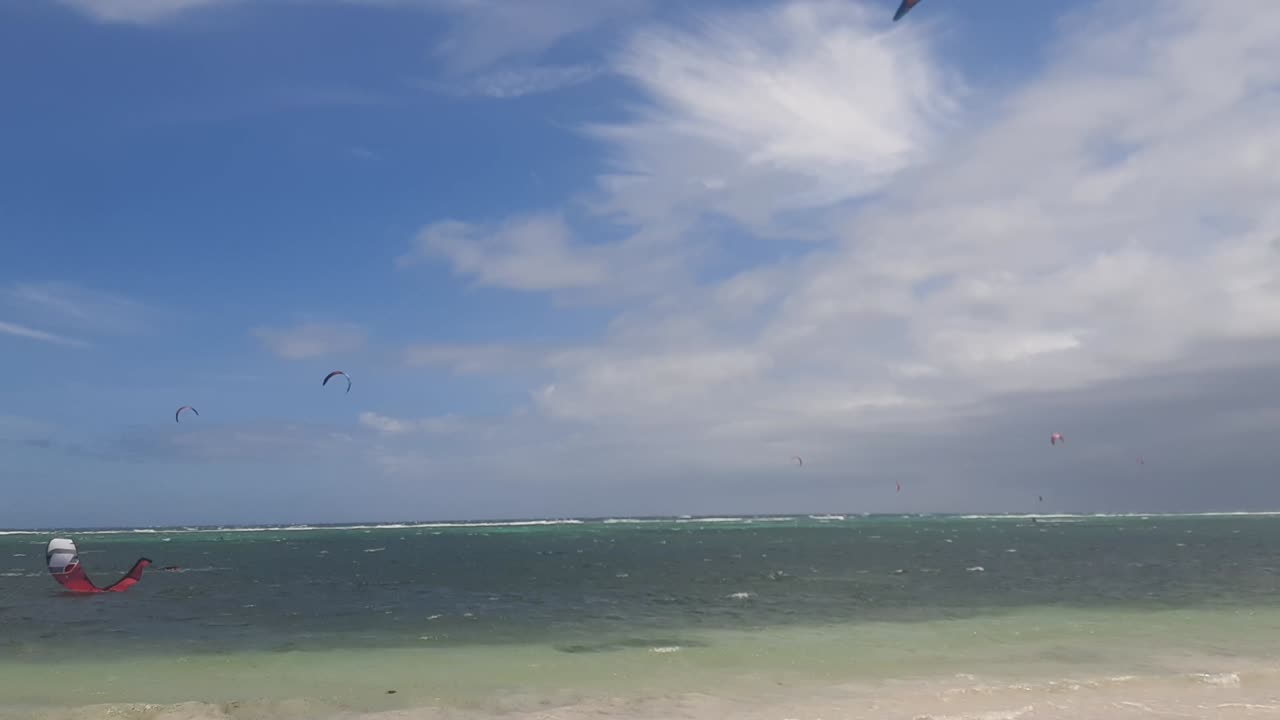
(64, 566)
(185, 407)
(904, 8)
(1056, 438)
(799, 460)
(337, 372)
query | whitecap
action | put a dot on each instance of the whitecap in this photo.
(1219, 679)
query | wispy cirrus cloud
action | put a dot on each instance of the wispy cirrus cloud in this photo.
(485, 33)
(516, 82)
(787, 106)
(140, 12)
(83, 308)
(30, 333)
(312, 339)
(489, 48)
(496, 49)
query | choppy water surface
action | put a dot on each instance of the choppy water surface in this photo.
(566, 605)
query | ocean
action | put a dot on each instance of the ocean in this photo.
(810, 617)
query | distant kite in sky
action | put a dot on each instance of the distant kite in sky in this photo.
(64, 565)
(799, 460)
(185, 407)
(899, 487)
(1056, 438)
(904, 8)
(337, 372)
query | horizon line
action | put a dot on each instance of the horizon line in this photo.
(616, 519)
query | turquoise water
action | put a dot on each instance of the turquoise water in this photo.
(491, 619)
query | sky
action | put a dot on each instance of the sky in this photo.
(628, 257)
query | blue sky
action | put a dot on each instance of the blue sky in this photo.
(629, 256)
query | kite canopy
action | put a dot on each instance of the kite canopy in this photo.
(334, 373)
(799, 460)
(1056, 438)
(64, 565)
(185, 407)
(904, 8)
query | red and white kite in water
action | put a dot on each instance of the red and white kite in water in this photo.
(185, 407)
(334, 373)
(1056, 438)
(904, 8)
(64, 566)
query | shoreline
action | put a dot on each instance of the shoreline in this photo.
(1217, 691)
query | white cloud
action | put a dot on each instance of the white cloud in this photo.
(529, 253)
(635, 383)
(789, 106)
(30, 333)
(1114, 214)
(81, 307)
(311, 339)
(140, 12)
(521, 81)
